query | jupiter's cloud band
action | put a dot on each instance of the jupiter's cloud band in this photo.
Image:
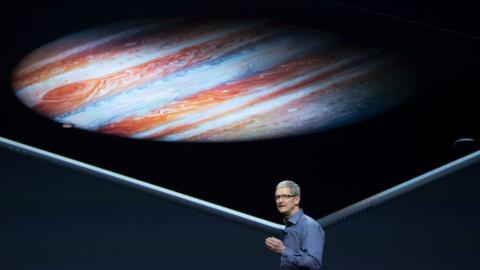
(197, 79)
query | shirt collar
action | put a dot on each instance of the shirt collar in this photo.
(294, 219)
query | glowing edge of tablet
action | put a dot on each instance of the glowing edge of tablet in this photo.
(144, 186)
(398, 190)
(228, 213)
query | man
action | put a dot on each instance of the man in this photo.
(301, 244)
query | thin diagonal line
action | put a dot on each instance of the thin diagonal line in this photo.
(403, 19)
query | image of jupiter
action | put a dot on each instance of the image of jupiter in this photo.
(212, 80)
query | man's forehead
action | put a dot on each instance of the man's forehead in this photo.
(283, 190)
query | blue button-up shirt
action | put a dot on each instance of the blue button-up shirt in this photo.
(303, 238)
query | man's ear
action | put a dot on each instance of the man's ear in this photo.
(297, 200)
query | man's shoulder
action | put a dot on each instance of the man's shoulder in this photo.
(309, 225)
(307, 220)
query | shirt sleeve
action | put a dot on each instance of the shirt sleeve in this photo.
(311, 252)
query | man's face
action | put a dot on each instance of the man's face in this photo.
(286, 203)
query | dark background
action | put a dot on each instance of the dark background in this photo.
(335, 168)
